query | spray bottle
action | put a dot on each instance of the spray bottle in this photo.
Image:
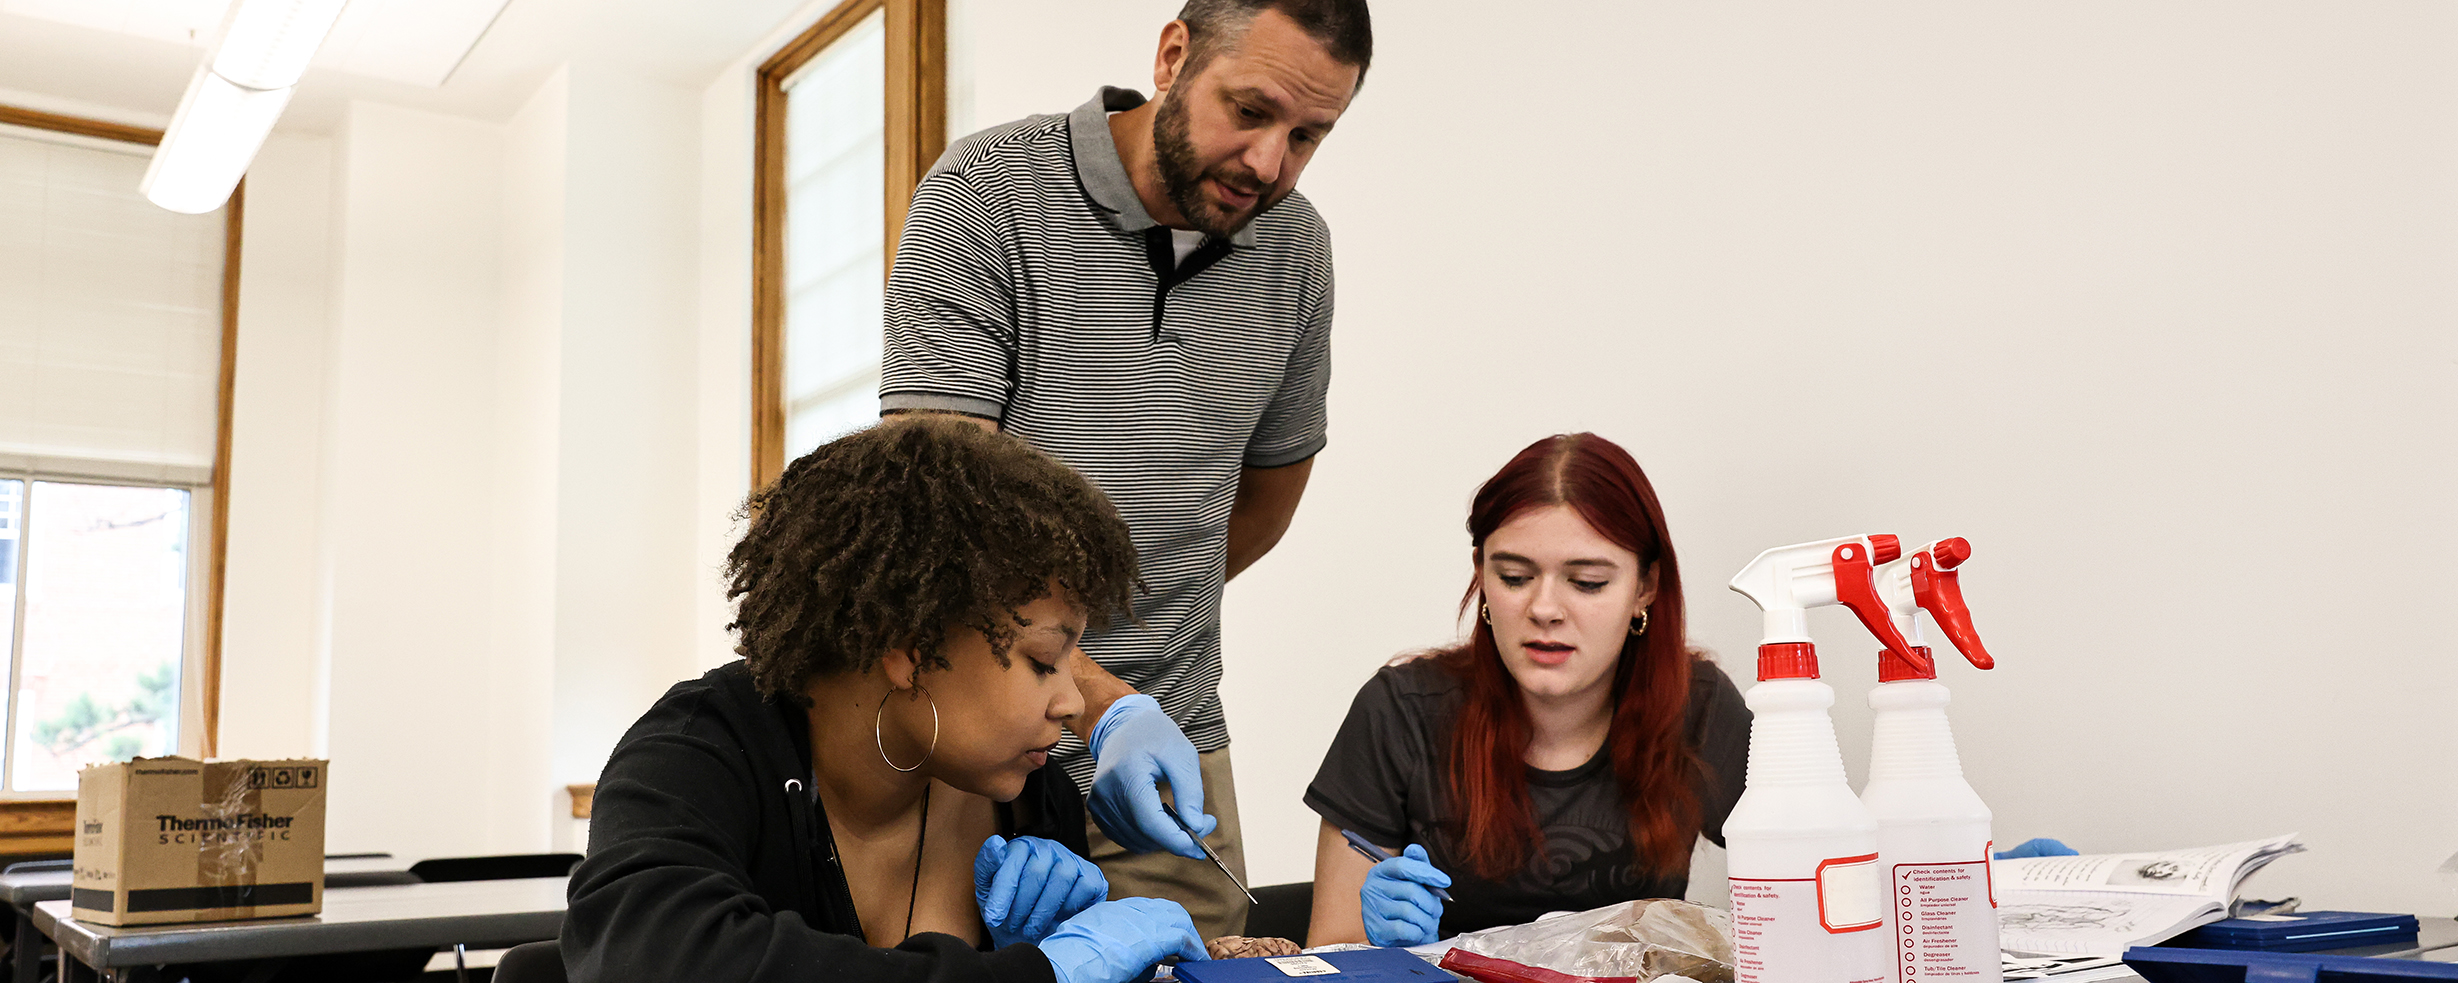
(1807, 899)
(1933, 830)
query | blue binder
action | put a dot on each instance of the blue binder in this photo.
(2304, 931)
(1349, 966)
(2164, 965)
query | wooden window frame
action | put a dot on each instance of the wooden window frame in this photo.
(32, 826)
(916, 134)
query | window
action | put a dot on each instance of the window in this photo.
(115, 329)
(850, 115)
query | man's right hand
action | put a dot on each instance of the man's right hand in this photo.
(1135, 748)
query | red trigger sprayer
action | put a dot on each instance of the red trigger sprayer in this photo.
(1801, 850)
(1933, 830)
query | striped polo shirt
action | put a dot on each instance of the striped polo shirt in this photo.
(1031, 287)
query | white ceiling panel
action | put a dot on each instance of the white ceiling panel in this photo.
(181, 21)
(415, 41)
(418, 42)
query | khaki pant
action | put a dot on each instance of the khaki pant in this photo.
(1217, 906)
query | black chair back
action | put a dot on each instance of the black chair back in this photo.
(1281, 911)
(503, 868)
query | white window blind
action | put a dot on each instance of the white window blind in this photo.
(110, 317)
(835, 234)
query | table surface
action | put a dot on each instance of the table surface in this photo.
(480, 914)
(27, 887)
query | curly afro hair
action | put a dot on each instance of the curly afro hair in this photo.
(895, 536)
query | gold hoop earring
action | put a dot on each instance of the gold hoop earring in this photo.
(878, 735)
(1485, 612)
(1638, 625)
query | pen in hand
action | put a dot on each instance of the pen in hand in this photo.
(1378, 855)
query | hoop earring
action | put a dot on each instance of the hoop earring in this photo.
(880, 737)
(1638, 625)
(1485, 612)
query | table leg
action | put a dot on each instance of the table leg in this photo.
(28, 966)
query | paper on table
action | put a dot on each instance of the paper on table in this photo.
(2101, 903)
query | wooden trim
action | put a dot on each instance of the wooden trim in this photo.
(217, 556)
(80, 126)
(37, 826)
(916, 117)
(582, 796)
(917, 103)
(210, 687)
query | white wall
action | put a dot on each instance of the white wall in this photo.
(466, 482)
(273, 670)
(625, 512)
(2151, 303)
(428, 689)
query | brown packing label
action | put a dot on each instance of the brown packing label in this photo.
(229, 801)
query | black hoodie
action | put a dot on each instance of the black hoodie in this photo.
(710, 860)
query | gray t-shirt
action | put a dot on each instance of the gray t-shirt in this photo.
(1383, 778)
(1032, 288)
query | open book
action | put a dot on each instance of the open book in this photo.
(2098, 904)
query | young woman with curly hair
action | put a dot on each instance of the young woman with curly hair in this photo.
(1567, 756)
(867, 794)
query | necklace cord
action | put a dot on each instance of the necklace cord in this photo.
(920, 836)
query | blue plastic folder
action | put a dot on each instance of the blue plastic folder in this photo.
(2304, 931)
(1349, 966)
(2165, 965)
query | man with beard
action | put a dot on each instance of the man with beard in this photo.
(1136, 288)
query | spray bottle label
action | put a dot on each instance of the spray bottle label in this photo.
(1811, 928)
(1945, 923)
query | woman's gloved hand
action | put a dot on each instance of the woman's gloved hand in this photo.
(1398, 900)
(2038, 846)
(1135, 748)
(1120, 941)
(1028, 885)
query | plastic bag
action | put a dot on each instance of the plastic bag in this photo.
(1634, 941)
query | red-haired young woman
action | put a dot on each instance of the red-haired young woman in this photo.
(1567, 756)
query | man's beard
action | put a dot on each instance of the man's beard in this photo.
(1175, 154)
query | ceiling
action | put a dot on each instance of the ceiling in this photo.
(131, 59)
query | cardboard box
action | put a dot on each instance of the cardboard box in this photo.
(180, 840)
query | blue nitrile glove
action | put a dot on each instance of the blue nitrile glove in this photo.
(1398, 900)
(1120, 941)
(1028, 885)
(2038, 846)
(1135, 748)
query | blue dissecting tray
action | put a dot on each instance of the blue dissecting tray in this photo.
(2304, 931)
(2162, 965)
(1350, 966)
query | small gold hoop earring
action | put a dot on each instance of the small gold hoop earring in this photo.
(1638, 625)
(881, 737)
(1484, 612)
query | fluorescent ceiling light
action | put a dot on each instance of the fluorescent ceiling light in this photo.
(269, 42)
(234, 99)
(210, 143)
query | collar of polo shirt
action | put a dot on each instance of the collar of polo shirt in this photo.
(1104, 176)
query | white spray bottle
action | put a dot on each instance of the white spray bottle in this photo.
(1933, 830)
(1802, 851)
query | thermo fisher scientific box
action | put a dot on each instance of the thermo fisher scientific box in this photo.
(180, 840)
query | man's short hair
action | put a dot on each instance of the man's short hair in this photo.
(1342, 27)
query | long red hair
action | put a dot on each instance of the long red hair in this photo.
(1652, 759)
